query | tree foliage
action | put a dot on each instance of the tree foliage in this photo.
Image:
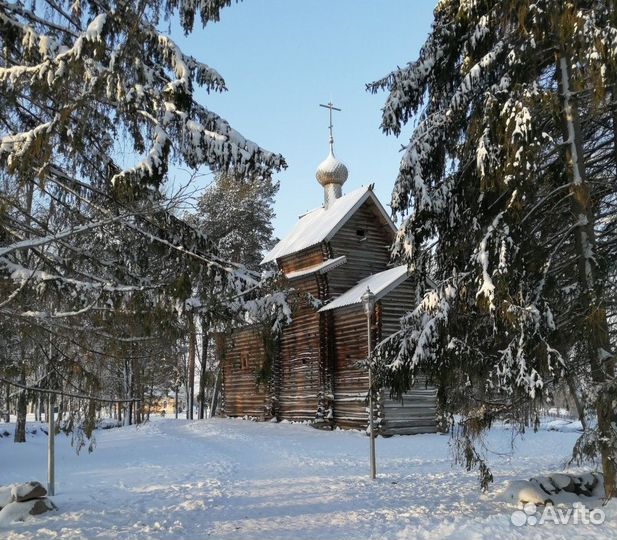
(507, 189)
(236, 214)
(96, 268)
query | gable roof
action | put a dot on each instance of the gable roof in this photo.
(322, 224)
(380, 285)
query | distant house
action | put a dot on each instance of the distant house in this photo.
(162, 404)
(334, 253)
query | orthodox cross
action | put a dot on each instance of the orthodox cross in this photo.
(331, 108)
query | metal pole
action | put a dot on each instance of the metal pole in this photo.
(370, 398)
(51, 420)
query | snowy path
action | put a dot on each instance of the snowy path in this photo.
(219, 478)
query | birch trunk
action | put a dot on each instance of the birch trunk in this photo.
(205, 340)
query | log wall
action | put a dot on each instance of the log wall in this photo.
(415, 411)
(351, 380)
(241, 355)
(366, 254)
(303, 259)
(300, 373)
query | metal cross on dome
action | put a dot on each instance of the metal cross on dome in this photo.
(331, 108)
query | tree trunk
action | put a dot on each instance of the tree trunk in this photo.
(22, 408)
(41, 406)
(205, 339)
(592, 298)
(215, 392)
(139, 391)
(580, 409)
(36, 407)
(7, 414)
(128, 393)
(60, 415)
(191, 377)
(151, 400)
(176, 401)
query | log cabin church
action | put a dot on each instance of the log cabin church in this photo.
(334, 253)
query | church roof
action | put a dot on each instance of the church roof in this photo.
(380, 285)
(322, 224)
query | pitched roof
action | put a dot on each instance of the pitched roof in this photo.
(380, 285)
(322, 224)
(321, 268)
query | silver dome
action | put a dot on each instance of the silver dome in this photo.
(331, 171)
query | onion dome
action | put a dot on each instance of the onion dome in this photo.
(331, 171)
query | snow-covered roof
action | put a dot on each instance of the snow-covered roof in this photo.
(322, 224)
(380, 285)
(321, 268)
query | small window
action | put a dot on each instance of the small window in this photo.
(244, 361)
(360, 233)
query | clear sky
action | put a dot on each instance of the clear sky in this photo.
(282, 58)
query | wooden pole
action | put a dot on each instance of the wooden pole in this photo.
(51, 420)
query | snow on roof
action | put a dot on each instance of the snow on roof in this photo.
(322, 224)
(380, 285)
(322, 268)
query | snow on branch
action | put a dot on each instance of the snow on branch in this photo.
(67, 233)
(19, 273)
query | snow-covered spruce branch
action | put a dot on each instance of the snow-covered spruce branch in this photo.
(61, 235)
(210, 260)
(51, 314)
(431, 132)
(18, 9)
(239, 152)
(413, 344)
(93, 332)
(19, 274)
(14, 294)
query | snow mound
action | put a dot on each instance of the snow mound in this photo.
(20, 511)
(556, 488)
(5, 496)
(565, 426)
(28, 491)
(20, 501)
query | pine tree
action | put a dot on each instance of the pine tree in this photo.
(236, 214)
(507, 188)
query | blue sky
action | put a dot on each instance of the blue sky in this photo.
(281, 58)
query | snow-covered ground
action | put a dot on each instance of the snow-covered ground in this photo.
(172, 479)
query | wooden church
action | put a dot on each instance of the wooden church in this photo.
(334, 253)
